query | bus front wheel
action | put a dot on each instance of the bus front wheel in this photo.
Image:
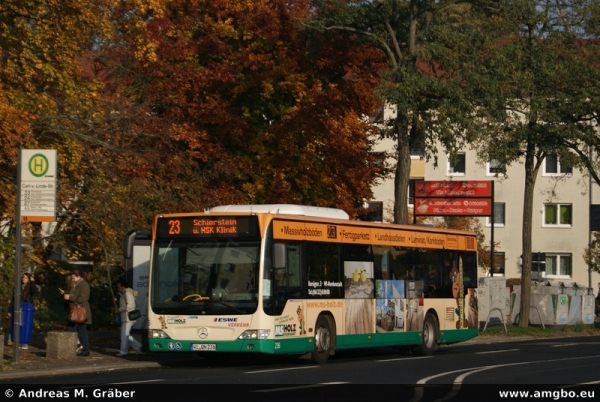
(430, 336)
(324, 340)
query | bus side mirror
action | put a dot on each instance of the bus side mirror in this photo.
(130, 238)
(279, 257)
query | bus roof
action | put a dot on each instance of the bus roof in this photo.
(285, 209)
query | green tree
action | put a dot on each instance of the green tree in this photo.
(591, 254)
(432, 52)
(547, 99)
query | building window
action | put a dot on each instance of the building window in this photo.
(558, 265)
(417, 145)
(495, 168)
(499, 263)
(411, 191)
(457, 164)
(499, 215)
(558, 215)
(552, 167)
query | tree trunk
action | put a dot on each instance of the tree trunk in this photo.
(402, 174)
(531, 170)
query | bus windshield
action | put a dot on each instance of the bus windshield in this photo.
(205, 276)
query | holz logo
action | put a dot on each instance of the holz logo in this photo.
(38, 165)
(175, 320)
(288, 329)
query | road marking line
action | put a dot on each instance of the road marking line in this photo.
(403, 358)
(556, 343)
(457, 383)
(113, 383)
(283, 369)
(581, 384)
(420, 391)
(135, 382)
(300, 387)
(496, 351)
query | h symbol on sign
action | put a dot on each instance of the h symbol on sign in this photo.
(38, 163)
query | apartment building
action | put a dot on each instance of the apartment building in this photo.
(560, 215)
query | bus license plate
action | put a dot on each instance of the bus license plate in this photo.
(204, 346)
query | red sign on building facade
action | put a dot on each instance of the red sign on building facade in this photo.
(454, 206)
(453, 188)
(453, 198)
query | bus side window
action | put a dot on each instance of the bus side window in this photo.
(399, 266)
(381, 259)
(286, 265)
(324, 264)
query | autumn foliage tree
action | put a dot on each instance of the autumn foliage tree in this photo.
(42, 94)
(242, 106)
(159, 106)
(208, 103)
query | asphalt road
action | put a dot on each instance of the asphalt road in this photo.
(547, 364)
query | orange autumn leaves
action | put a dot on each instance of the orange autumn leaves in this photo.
(257, 108)
(157, 106)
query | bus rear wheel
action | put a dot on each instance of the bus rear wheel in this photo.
(431, 331)
(324, 340)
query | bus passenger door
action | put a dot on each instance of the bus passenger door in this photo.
(287, 275)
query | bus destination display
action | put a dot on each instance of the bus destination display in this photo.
(223, 226)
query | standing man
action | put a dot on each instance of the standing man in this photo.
(80, 293)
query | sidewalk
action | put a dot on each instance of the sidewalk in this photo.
(104, 346)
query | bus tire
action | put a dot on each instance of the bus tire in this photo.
(431, 332)
(324, 340)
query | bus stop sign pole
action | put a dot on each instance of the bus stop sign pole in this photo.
(36, 202)
(16, 313)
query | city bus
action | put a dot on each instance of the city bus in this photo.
(292, 279)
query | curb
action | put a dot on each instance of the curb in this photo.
(24, 373)
(40, 367)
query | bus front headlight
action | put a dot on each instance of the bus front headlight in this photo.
(158, 334)
(255, 334)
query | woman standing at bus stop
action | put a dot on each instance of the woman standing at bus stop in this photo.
(80, 293)
(28, 290)
(127, 304)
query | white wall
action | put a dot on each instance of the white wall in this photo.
(572, 189)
